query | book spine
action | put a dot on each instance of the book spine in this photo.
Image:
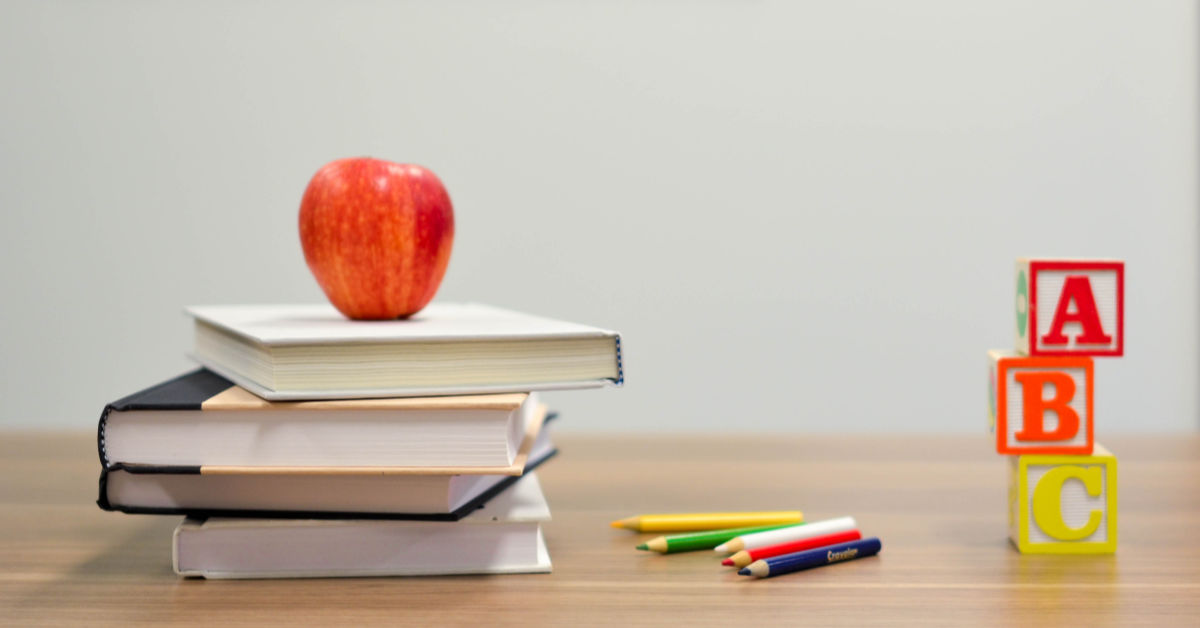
(185, 392)
(100, 442)
(620, 362)
(105, 504)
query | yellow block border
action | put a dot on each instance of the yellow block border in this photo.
(1099, 456)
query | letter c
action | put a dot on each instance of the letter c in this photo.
(1047, 501)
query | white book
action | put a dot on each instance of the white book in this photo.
(202, 420)
(313, 352)
(505, 536)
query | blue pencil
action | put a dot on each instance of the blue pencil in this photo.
(808, 559)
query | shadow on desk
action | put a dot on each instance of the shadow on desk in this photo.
(142, 551)
(85, 584)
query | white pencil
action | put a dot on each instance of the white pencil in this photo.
(787, 535)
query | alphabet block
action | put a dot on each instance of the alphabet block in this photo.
(1041, 405)
(1063, 504)
(1070, 307)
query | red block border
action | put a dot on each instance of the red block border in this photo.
(1036, 266)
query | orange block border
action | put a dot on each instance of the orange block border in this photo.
(1045, 363)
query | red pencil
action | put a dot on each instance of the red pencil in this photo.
(745, 557)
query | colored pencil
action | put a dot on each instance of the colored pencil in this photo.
(701, 540)
(694, 522)
(745, 557)
(808, 559)
(784, 535)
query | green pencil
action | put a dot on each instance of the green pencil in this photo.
(702, 540)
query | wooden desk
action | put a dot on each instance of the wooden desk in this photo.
(937, 503)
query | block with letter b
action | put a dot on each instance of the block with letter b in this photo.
(1041, 405)
(1063, 504)
(1070, 307)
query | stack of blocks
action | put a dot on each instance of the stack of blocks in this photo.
(1062, 485)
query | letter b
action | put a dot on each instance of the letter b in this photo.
(1033, 424)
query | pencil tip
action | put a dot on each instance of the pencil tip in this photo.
(728, 562)
(616, 524)
(744, 571)
(719, 548)
(643, 547)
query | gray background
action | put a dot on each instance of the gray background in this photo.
(802, 216)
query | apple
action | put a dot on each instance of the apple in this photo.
(377, 236)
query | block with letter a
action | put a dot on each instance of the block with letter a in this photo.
(1070, 307)
(1041, 405)
(1063, 504)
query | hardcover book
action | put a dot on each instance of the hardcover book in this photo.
(505, 536)
(203, 420)
(432, 496)
(282, 352)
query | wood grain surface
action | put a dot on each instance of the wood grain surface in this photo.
(938, 503)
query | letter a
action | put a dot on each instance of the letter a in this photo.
(1033, 425)
(1077, 289)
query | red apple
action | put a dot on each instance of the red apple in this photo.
(377, 236)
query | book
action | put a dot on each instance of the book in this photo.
(434, 496)
(505, 536)
(283, 352)
(201, 419)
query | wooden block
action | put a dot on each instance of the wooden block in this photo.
(1070, 307)
(1041, 405)
(1063, 504)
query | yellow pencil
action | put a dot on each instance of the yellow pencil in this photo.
(707, 521)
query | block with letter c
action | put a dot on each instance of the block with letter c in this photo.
(1064, 504)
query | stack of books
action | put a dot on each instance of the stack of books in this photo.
(310, 445)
